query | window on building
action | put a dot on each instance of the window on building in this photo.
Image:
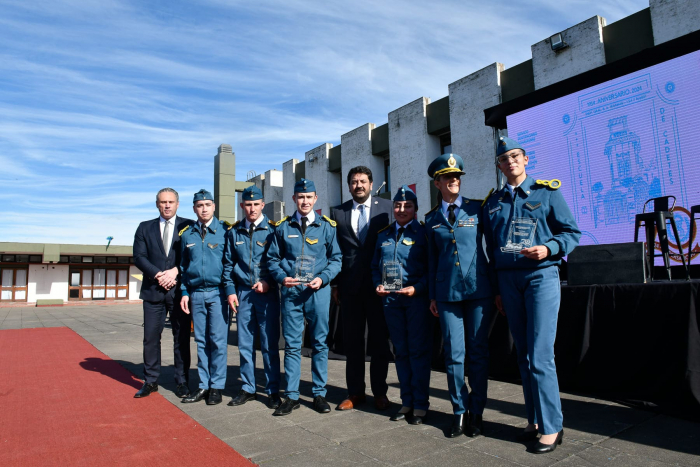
(63, 259)
(8, 258)
(13, 282)
(99, 260)
(98, 283)
(75, 259)
(35, 258)
(111, 259)
(22, 258)
(87, 259)
(123, 259)
(446, 143)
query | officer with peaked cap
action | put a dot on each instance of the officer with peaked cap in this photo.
(528, 228)
(303, 258)
(460, 292)
(401, 261)
(204, 296)
(256, 297)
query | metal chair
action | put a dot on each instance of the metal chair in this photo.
(693, 210)
(657, 220)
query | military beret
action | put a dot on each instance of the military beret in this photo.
(405, 194)
(505, 144)
(304, 186)
(252, 193)
(202, 195)
(447, 163)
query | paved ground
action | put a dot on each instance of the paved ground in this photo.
(597, 432)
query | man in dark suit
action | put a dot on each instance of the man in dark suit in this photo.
(358, 221)
(157, 255)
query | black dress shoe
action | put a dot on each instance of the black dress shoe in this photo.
(525, 436)
(274, 401)
(398, 416)
(214, 397)
(182, 390)
(146, 390)
(475, 425)
(242, 398)
(286, 407)
(457, 426)
(543, 448)
(201, 394)
(320, 405)
(414, 419)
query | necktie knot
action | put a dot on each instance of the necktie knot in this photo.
(451, 213)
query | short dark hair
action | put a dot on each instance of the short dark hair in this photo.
(360, 169)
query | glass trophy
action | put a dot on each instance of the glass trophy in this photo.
(521, 234)
(259, 271)
(392, 277)
(304, 269)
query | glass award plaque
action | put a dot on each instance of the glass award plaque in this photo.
(259, 271)
(521, 234)
(392, 277)
(304, 269)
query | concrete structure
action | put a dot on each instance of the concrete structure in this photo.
(225, 184)
(399, 151)
(60, 273)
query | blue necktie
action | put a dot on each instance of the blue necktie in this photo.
(362, 224)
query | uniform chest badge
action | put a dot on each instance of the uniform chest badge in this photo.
(240, 243)
(492, 210)
(311, 242)
(212, 246)
(293, 236)
(531, 206)
(261, 243)
(189, 245)
(470, 222)
(386, 243)
(407, 241)
(436, 226)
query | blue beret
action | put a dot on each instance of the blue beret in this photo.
(405, 194)
(447, 163)
(505, 144)
(304, 186)
(252, 193)
(202, 195)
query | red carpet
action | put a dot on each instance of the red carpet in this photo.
(63, 402)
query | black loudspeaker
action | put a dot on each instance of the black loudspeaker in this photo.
(616, 263)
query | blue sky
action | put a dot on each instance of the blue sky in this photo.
(102, 103)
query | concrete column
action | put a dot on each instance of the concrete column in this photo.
(288, 180)
(471, 139)
(673, 18)
(585, 51)
(411, 149)
(327, 183)
(225, 184)
(356, 149)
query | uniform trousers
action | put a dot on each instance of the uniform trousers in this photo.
(299, 303)
(411, 329)
(531, 301)
(465, 335)
(259, 313)
(153, 325)
(209, 310)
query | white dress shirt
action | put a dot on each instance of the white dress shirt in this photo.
(310, 216)
(168, 241)
(257, 222)
(355, 213)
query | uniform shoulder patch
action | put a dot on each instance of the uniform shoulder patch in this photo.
(183, 231)
(487, 197)
(383, 228)
(553, 184)
(229, 225)
(276, 224)
(330, 221)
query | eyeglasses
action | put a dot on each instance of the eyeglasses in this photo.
(503, 159)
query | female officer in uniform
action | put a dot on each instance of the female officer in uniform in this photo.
(460, 292)
(401, 260)
(528, 229)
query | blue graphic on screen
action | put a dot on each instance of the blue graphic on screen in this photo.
(618, 144)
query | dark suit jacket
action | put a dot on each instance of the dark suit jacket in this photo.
(149, 256)
(357, 257)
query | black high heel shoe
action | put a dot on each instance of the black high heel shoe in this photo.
(543, 448)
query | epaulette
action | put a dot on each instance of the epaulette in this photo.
(383, 228)
(183, 231)
(434, 208)
(330, 221)
(272, 222)
(421, 222)
(553, 184)
(276, 224)
(487, 197)
(229, 225)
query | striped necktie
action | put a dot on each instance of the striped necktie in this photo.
(362, 224)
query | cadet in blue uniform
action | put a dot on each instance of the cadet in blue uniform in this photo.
(304, 257)
(203, 292)
(460, 292)
(256, 297)
(528, 229)
(405, 244)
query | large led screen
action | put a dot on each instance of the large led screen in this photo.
(618, 144)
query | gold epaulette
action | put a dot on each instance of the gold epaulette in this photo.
(271, 222)
(487, 197)
(229, 225)
(421, 222)
(183, 231)
(276, 224)
(553, 184)
(330, 221)
(383, 228)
